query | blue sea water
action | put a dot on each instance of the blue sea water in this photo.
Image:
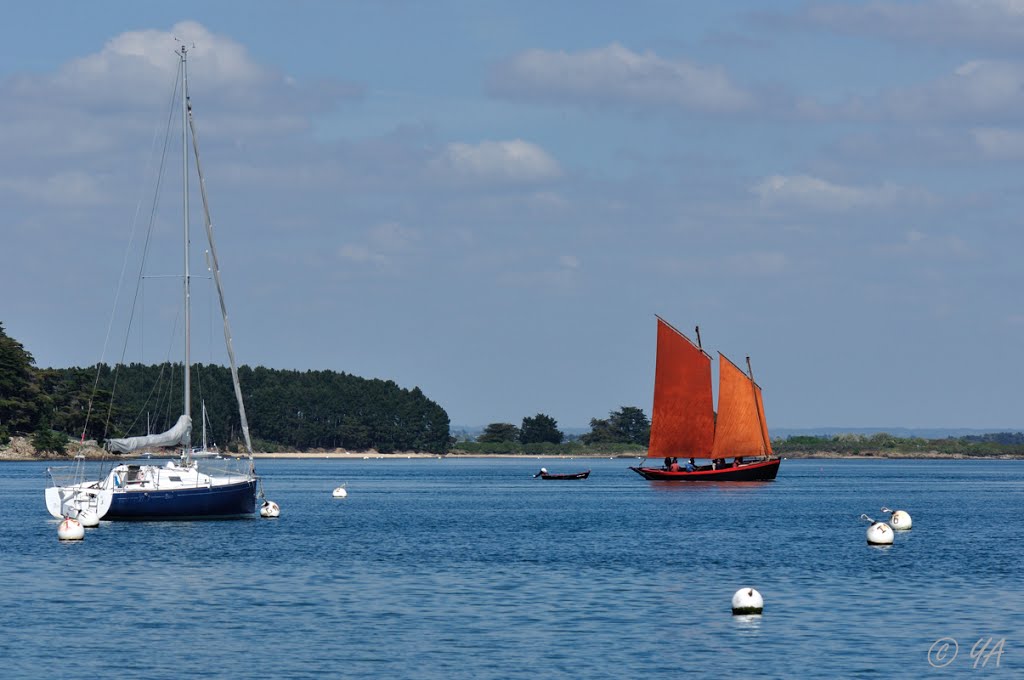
(471, 568)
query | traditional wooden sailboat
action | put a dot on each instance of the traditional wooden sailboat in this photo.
(178, 489)
(684, 424)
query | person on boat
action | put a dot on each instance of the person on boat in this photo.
(674, 465)
(690, 465)
(738, 461)
(668, 462)
(543, 471)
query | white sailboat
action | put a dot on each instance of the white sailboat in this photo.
(177, 489)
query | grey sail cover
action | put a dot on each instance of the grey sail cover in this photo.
(178, 434)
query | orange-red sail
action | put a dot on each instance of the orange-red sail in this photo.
(740, 429)
(683, 418)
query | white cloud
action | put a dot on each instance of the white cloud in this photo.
(381, 246)
(509, 161)
(918, 244)
(392, 237)
(977, 90)
(63, 188)
(362, 254)
(763, 263)
(984, 23)
(96, 116)
(615, 75)
(569, 261)
(139, 68)
(812, 193)
(1000, 143)
(148, 54)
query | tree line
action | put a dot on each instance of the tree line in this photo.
(624, 430)
(997, 444)
(286, 410)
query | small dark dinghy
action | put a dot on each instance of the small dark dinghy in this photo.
(544, 474)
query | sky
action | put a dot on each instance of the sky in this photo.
(492, 200)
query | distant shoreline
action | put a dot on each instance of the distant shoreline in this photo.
(20, 449)
(8, 454)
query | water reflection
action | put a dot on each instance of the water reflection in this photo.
(699, 487)
(747, 625)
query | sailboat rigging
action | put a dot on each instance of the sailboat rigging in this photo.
(684, 424)
(178, 489)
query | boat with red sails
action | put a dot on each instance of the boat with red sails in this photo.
(544, 474)
(684, 425)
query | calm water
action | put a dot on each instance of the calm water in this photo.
(472, 569)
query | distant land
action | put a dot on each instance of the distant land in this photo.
(471, 431)
(902, 432)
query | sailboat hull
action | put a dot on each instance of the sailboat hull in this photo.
(751, 472)
(225, 501)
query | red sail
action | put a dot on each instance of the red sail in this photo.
(740, 429)
(683, 419)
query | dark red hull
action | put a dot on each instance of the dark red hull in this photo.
(748, 472)
(575, 475)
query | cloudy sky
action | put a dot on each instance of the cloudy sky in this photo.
(491, 201)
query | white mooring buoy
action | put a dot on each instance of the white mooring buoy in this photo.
(70, 529)
(747, 601)
(270, 509)
(339, 492)
(879, 533)
(900, 519)
(88, 518)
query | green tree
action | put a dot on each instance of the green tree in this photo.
(46, 439)
(20, 398)
(289, 410)
(540, 428)
(628, 425)
(499, 432)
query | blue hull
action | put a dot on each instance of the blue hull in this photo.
(220, 502)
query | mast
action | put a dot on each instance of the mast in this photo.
(187, 452)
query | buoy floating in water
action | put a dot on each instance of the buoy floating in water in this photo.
(747, 601)
(88, 518)
(270, 509)
(900, 519)
(70, 529)
(340, 492)
(879, 533)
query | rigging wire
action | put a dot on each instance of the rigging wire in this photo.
(145, 251)
(120, 282)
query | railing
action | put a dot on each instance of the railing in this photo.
(65, 475)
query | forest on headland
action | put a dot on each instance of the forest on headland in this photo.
(326, 410)
(286, 410)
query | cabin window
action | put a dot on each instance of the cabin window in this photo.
(174, 478)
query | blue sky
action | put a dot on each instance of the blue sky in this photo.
(491, 201)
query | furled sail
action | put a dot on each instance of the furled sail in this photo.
(683, 418)
(741, 429)
(172, 437)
